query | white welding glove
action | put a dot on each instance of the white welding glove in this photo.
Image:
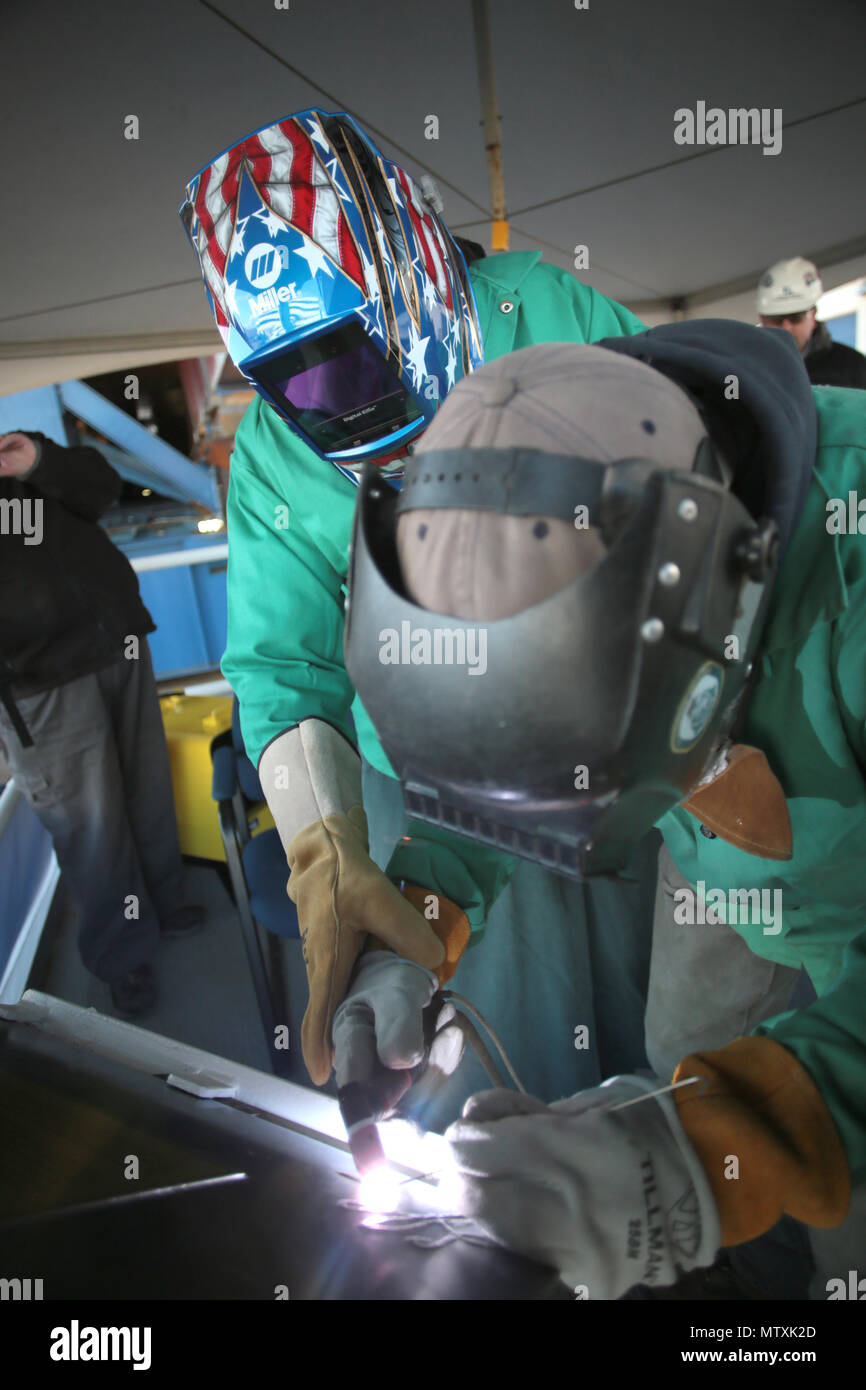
(382, 1017)
(610, 1200)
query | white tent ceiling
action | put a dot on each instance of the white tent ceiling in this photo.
(96, 270)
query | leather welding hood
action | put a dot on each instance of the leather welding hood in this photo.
(563, 733)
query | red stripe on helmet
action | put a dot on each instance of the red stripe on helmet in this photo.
(259, 163)
(201, 208)
(420, 239)
(349, 258)
(301, 176)
(219, 312)
(215, 252)
(426, 240)
(439, 256)
(229, 185)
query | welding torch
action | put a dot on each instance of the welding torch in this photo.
(364, 1104)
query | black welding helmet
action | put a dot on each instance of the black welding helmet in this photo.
(552, 625)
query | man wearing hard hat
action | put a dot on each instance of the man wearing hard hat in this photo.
(787, 298)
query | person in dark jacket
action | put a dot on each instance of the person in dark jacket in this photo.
(79, 716)
(788, 295)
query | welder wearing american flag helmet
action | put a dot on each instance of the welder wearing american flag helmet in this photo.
(336, 287)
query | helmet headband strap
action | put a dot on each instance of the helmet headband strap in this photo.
(524, 482)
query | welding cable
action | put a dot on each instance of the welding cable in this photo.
(362, 1106)
(483, 1055)
(471, 1034)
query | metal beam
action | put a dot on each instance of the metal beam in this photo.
(171, 470)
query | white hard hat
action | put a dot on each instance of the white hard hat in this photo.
(789, 286)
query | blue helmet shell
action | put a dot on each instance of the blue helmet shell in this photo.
(304, 228)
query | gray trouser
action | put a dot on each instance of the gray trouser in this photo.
(98, 778)
(705, 986)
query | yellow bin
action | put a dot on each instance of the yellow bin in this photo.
(191, 724)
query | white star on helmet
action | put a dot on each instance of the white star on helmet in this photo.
(417, 355)
(315, 258)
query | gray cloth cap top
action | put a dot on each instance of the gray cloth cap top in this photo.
(561, 398)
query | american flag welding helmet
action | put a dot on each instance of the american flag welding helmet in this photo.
(337, 288)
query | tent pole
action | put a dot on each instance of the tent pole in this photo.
(492, 127)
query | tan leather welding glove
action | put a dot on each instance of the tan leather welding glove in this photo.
(448, 922)
(341, 895)
(743, 803)
(760, 1107)
(311, 777)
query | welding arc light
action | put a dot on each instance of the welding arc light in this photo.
(380, 1189)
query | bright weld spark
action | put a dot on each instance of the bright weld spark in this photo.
(380, 1190)
(404, 1145)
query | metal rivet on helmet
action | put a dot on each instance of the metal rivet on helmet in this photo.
(757, 553)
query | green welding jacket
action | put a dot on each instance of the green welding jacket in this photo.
(808, 714)
(289, 526)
